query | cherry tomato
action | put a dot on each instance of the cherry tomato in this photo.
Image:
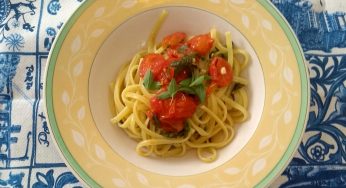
(173, 112)
(173, 53)
(182, 75)
(220, 72)
(166, 75)
(173, 40)
(179, 52)
(154, 62)
(201, 44)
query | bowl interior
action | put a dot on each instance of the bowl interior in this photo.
(127, 39)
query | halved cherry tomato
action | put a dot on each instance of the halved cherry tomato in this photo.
(173, 40)
(201, 44)
(154, 62)
(220, 72)
(173, 112)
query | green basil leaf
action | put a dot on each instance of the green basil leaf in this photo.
(148, 81)
(155, 86)
(188, 90)
(172, 87)
(198, 81)
(200, 91)
(164, 95)
(183, 63)
(186, 82)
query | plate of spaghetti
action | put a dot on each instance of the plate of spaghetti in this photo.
(176, 93)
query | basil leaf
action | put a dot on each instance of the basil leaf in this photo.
(171, 91)
(200, 91)
(172, 87)
(148, 78)
(164, 95)
(155, 86)
(187, 90)
(198, 81)
(186, 82)
(184, 62)
(149, 83)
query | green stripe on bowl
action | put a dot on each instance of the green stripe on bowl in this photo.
(75, 167)
(305, 95)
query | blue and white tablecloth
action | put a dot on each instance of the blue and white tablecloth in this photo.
(28, 158)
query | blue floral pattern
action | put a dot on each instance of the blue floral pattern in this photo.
(53, 7)
(14, 180)
(320, 161)
(23, 56)
(12, 15)
(48, 181)
(4, 9)
(14, 42)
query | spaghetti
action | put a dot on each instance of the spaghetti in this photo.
(182, 94)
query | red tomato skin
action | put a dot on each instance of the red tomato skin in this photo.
(173, 53)
(180, 51)
(158, 66)
(153, 62)
(221, 80)
(201, 44)
(182, 75)
(172, 112)
(166, 76)
(173, 40)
